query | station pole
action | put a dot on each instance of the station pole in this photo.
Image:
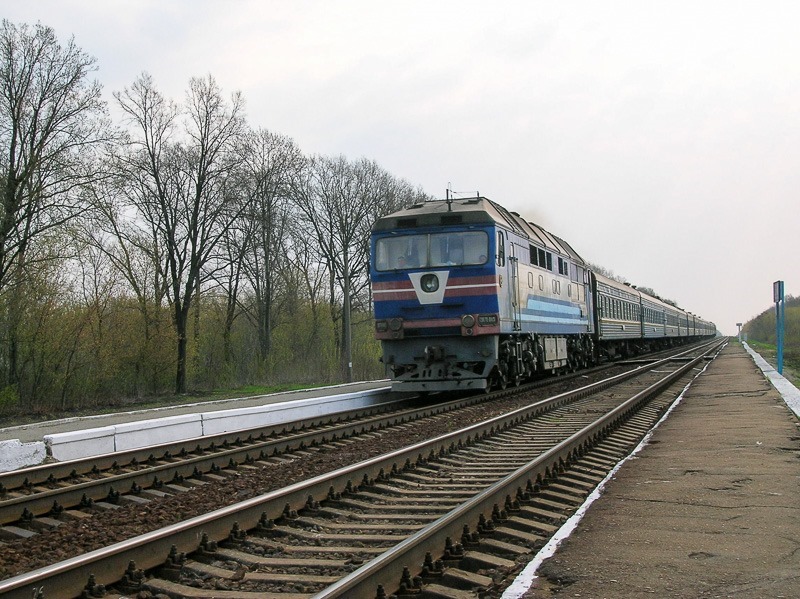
(739, 324)
(777, 292)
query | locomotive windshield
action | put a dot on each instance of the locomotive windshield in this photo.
(432, 250)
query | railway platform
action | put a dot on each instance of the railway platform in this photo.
(82, 436)
(709, 506)
(37, 430)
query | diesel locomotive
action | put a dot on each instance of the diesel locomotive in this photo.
(468, 295)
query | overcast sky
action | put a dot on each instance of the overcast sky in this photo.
(660, 139)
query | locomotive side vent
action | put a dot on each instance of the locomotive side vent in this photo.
(452, 219)
(405, 223)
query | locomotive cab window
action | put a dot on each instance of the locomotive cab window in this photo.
(460, 248)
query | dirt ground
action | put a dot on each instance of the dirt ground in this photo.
(710, 508)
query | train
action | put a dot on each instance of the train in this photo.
(470, 296)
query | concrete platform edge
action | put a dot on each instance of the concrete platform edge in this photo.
(789, 393)
(78, 444)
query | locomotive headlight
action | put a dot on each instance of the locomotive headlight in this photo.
(429, 283)
(395, 324)
(468, 321)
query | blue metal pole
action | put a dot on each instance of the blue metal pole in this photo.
(779, 314)
(780, 339)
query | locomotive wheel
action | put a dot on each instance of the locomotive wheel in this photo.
(502, 381)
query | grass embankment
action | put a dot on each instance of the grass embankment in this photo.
(791, 360)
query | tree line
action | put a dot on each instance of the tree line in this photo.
(180, 248)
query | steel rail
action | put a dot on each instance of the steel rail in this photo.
(42, 502)
(197, 463)
(84, 466)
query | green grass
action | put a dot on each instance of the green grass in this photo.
(251, 390)
(791, 361)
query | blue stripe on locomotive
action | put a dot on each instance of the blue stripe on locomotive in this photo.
(451, 307)
(547, 315)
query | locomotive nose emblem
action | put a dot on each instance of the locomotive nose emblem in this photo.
(429, 287)
(429, 283)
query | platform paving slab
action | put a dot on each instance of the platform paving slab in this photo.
(709, 508)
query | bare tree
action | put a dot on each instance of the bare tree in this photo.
(340, 201)
(137, 256)
(52, 125)
(273, 161)
(179, 184)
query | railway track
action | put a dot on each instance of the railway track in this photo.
(465, 504)
(33, 499)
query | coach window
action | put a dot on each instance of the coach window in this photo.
(549, 261)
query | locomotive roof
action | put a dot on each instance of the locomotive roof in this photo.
(467, 211)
